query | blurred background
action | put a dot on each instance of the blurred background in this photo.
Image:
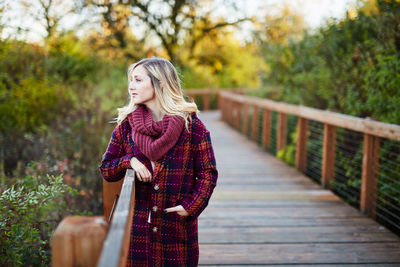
(63, 74)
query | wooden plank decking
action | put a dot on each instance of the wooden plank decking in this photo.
(265, 213)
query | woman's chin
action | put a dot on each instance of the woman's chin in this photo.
(136, 102)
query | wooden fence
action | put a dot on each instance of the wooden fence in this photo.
(235, 110)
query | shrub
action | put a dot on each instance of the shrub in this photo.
(30, 210)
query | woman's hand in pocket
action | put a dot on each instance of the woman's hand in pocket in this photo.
(178, 209)
(142, 173)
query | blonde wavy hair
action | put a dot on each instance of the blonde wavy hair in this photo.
(167, 89)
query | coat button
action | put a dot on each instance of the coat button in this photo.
(156, 187)
(155, 229)
(155, 208)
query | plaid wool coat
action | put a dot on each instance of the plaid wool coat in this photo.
(185, 176)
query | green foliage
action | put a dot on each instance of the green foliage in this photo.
(288, 153)
(30, 210)
(68, 62)
(39, 84)
(29, 105)
(349, 66)
(215, 63)
(113, 85)
(381, 88)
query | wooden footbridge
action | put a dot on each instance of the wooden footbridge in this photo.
(263, 211)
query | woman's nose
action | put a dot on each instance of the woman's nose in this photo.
(131, 85)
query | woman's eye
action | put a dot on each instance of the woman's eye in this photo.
(138, 80)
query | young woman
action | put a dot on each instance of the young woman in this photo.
(161, 138)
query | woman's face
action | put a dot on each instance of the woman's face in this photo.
(140, 87)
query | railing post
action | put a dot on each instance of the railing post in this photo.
(281, 131)
(206, 100)
(219, 103)
(229, 111)
(109, 192)
(233, 113)
(238, 114)
(220, 100)
(222, 110)
(266, 129)
(301, 146)
(328, 157)
(223, 107)
(369, 175)
(78, 241)
(245, 126)
(254, 123)
(236, 121)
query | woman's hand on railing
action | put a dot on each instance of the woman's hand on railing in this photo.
(142, 173)
(178, 209)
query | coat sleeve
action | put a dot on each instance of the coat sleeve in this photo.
(115, 160)
(206, 174)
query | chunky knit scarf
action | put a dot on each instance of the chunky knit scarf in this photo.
(154, 139)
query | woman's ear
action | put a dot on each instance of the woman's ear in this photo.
(161, 85)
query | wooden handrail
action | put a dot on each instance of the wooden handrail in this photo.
(213, 90)
(371, 127)
(234, 109)
(116, 246)
(205, 93)
(89, 241)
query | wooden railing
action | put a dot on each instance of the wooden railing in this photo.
(206, 96)
(93, 241)
(235, 110)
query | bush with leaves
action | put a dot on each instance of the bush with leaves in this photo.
(30, 210)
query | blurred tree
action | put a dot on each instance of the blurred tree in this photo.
(284, 26)
(273, 35)
(220, 60)
(3, 6)
(170, 21)
(368, 7)
(49, 13)
(115, 22)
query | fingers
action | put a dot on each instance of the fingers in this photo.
(142, 173)
(178, 209)
(173, 209)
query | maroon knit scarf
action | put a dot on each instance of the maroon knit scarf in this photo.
(154, 139)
